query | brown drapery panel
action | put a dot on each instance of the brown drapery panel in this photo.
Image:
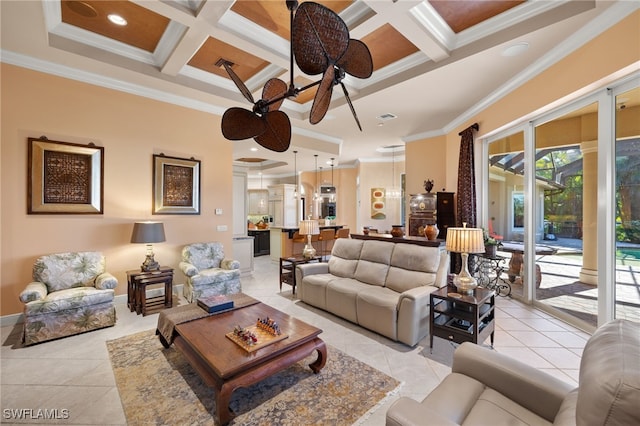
(466, 204)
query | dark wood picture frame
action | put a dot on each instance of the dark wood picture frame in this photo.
(64, 178)
(176, 185)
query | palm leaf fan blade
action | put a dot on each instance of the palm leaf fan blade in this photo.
(239, 123)
(323, 96)
(277, 134)
(273, 89)
(353, 110)
(319, 37)
(239, 83)
(357, 60)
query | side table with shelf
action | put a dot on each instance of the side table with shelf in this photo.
(288, 267)
(137, 282)
(488, 270)
(462, 318)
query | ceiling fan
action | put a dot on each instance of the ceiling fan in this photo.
(320, 44)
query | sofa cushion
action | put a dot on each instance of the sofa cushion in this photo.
(67, 270)
(378, 310)
(374, 262)
(412, 266)
(610, 376)
(566, 415)
(313, 289)
(214, 276)
(203, 255)
(341, 297)
(474, 403)
(344, 257)
(71, 298)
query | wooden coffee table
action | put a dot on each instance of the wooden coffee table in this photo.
(225, 366)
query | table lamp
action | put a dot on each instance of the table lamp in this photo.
(147, 233)
(309, 227)
(464, 241)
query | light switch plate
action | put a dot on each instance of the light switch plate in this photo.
(221, 227)
(218, 211)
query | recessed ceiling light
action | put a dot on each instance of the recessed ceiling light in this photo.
(254, 149)
(117, 19)
(515, 49)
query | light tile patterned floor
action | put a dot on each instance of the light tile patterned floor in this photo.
(75, 373)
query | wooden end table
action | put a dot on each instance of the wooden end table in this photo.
(225, 366)
(288, 269)
(137, 282)
(462, 318)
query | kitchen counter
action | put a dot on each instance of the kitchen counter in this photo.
(282, 240)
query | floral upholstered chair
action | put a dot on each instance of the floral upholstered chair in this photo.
(208, 272)
(71, 293)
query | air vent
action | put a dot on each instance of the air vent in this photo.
(386, 117)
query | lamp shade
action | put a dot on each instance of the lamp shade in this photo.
(148, 232)
(465, 240)
(309, 227)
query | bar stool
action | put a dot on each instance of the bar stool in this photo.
(326, 239)
(342, 233)
(300, 240)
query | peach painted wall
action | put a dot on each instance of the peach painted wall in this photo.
(378, 175)
(616, 51)
(426, 159)
(131, 129)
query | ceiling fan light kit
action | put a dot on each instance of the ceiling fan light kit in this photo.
(320, 44)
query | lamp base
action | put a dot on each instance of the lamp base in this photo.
(149, 264)
(308, 252)
(465, 285)
(464, 282)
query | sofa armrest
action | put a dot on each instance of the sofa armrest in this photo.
(34, 291)
(413, 314)
(188, 269)
(533, 389)
(106, 281)
(406, 411)
(306, 269)
(229, 264)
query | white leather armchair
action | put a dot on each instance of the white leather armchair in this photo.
(486, 387)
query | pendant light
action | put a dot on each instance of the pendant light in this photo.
(393, 192)
(315, 195)
(263, 202)
(295, 171)
(333, 188)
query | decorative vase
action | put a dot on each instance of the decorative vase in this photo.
(431, 231)
(397, 231)
(491, 251)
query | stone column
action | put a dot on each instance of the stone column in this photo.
(589, 271)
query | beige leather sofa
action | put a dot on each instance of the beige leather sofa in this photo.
(486, 387)
(382, 286)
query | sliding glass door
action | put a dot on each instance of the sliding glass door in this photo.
(627, 204)
(562, 192)
(566, 184)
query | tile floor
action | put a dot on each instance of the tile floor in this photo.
(75, 373)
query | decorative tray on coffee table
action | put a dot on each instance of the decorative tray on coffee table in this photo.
(256, 336)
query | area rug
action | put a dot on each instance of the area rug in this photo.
(158, 386)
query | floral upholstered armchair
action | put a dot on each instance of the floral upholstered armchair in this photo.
(208, 272)
(71, 293)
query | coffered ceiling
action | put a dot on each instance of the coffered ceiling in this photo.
(435, 62)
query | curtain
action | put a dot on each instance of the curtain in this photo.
(466, 211)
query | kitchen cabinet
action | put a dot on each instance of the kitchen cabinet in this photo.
(258, 202)
(261, 242)
(283, 206)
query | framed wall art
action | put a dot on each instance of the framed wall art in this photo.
(176, 185)
(64, 178)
